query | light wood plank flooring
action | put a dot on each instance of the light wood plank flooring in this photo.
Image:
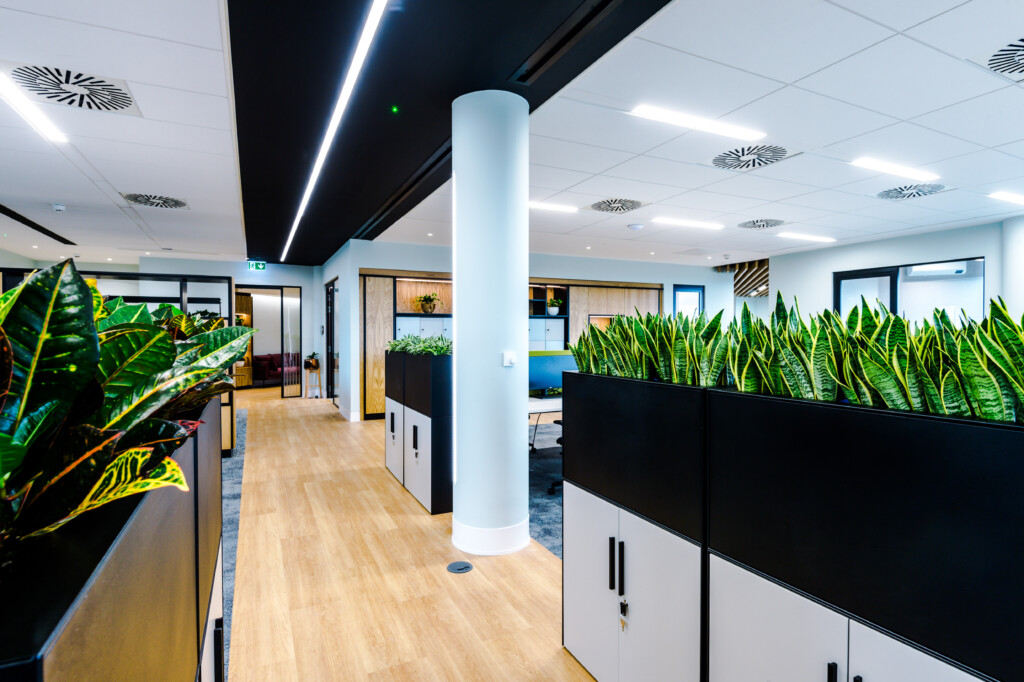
(341, 573)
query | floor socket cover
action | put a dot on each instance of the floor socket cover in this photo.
(460, 567)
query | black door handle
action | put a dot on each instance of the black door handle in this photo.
(392, 422)
(622, 568)
(611, 563)
(833, 672)
(858, 678)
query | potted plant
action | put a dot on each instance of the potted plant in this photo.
(554, 304)
(312, 362)
(427, 302)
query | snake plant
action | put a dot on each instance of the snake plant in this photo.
(95, 397)
(873, 357)
(416, 345)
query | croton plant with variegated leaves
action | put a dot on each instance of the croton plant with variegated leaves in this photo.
(95, 395)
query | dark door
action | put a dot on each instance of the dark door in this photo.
(330, 361)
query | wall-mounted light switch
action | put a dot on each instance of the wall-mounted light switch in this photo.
(508, 358)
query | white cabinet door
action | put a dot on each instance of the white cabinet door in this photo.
(446, 327)
(590, 600)
(554, 330)
(394, 438)
(661, 640)
(536, 329)
(537, 345)
(406, 326)
(879, 658)
(417, 456)
(554, 345)
(761, 632)
(430, 326)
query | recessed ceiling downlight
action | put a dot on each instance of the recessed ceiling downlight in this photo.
(1010, 59)
(616, 205)
(910, 191)
(761, 223)
(73, 88)
(745, 158)
(155, 200)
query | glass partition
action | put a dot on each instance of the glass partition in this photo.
(291, 342)
(956, 286)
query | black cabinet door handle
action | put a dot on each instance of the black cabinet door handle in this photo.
(833, 672)
(858, 678)
(415, 437)
(611, 563)
(622, 568)
(392, 422)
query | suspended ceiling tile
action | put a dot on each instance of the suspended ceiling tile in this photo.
(989, 120)
(599, 126)
(548, 151)
(713, 201)
(617, 229)
(849, 221)
(780, 45)
(551, 221)
(178, 106)
(832, 200)
(958, 200)
(620, 188)
(975, 30)
(754, 187)
(816, 171)
(898, 15)
(666, 172)
(80, 126)
(641, 72)
(902, 78)
(978, 168)
(903, 143)
(555, 178)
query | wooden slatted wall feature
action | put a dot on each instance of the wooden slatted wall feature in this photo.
(579, 304)
(644, 300)
(750, 278)
(380, 329)
(587, 301)
(406, 292)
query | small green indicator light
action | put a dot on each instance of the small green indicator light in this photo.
(394, 108)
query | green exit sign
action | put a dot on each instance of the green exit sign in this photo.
(257, 265)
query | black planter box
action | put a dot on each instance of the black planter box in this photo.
(428, 384)
(910, 522)
(394, 376)
(115, 594)
(640, 444)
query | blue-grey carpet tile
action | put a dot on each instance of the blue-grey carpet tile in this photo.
(231, 477)
(545, 469)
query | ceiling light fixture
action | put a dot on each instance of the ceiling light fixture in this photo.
(351, 76)
(679, 222)
(147, 253)
(561, 208)
(430, 234)
(805, 237)
(652, 253)
(707, 125)
(1008, 196)
(588, 248)
(893, 169)
(110, 259)
(34, 246)
(28, 111)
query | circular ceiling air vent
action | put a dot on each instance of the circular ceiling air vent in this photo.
(760, 223)
(910, 191)
(1010, 59)
(71, 88)
(616, 205)
(154, 200)
(754, 156)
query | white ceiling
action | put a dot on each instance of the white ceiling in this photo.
(830, 81)
(174, 58)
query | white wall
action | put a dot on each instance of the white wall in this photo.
(357, 254)
(266, 317)
(808, 275)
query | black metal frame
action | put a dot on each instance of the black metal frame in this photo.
(892, 271)
(330, 301)
(13, 276)
(699, 288)
(280, 288)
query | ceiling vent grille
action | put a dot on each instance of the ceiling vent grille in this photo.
(1009, 60)
(75, 89)
(746, 158)
(761, 223)
(910, 191)
(154, 200)
(616, 205)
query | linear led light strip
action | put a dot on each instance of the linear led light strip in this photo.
(351, 77)
(29, 111)
(679, 222)
(1008, 196)
(706, 125)
(894, 169)
(805, 237)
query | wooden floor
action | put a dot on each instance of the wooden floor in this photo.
(341, 573)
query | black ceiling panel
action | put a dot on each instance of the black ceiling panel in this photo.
(288, 61)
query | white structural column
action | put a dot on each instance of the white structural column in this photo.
(490, 177)
(1013, 266)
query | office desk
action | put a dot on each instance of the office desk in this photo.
(539, 406)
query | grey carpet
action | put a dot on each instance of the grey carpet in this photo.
(546, 468)
(231, 477)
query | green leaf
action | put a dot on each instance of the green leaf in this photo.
(150, 395)
(131, 354)
(123, 477)
(166, 311)
(881, 377)
(7, 301)
(53, 343)
(99, 311)
(125, 314)
(113, 304)
(982, 389)
(162, 436)
(795, 374)
(953, 401)
(822, 380)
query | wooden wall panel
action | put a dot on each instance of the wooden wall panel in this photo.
(607, 301)
(406, 292)
(379, 297)
(579, 307)
(644, 300)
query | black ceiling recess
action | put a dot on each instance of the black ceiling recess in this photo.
(424, 56)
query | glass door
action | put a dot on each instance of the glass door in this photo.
(291, 342)
(878, 285)
(330, 363)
